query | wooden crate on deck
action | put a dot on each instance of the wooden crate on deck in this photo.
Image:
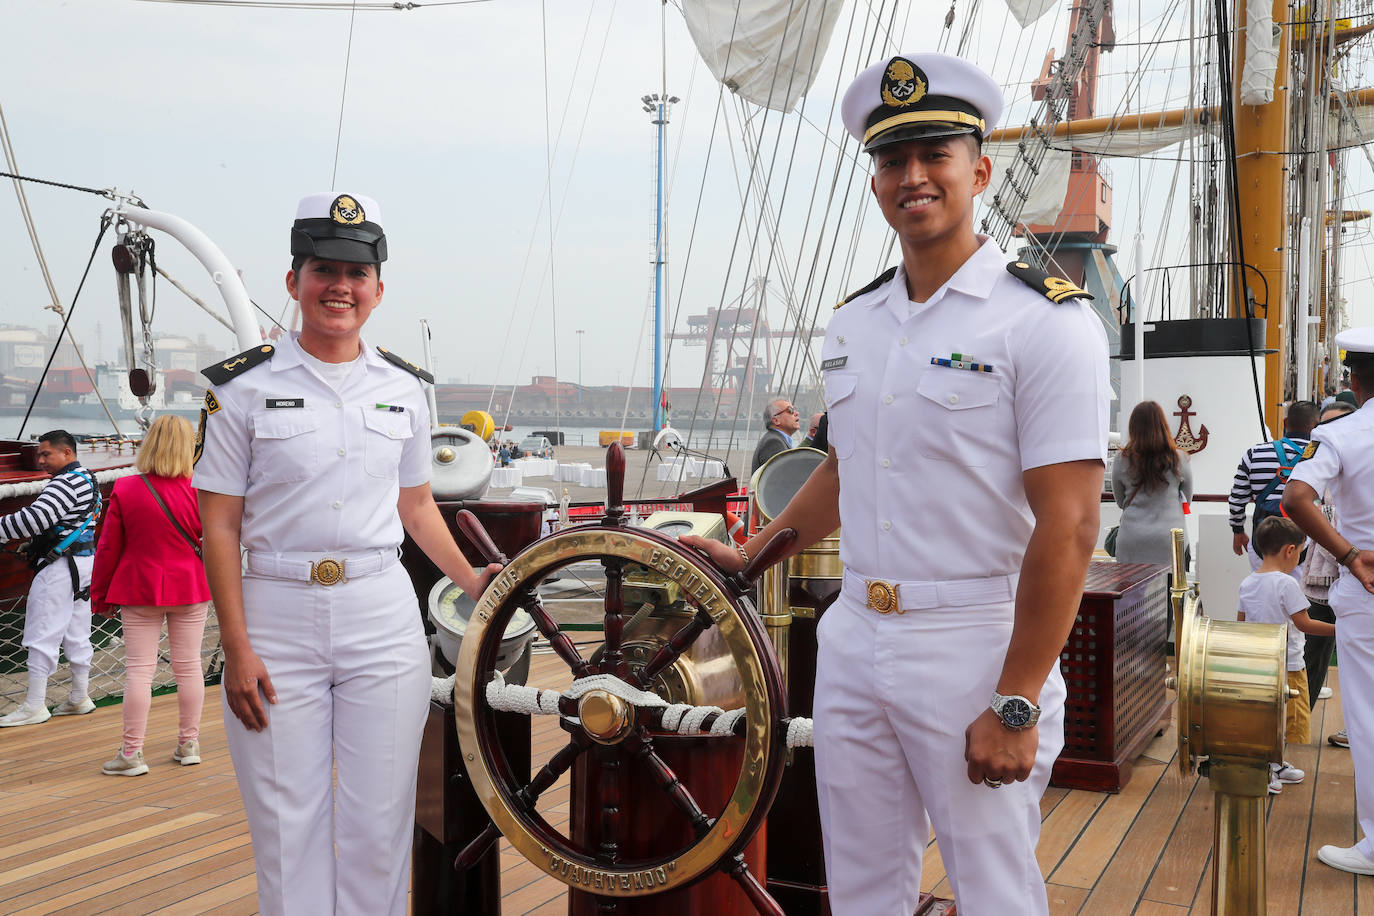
(1114, 666)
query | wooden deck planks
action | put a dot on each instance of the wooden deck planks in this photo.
(73, 841)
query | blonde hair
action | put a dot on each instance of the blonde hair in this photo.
(168, 448)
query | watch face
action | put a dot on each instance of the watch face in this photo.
(1016, 712)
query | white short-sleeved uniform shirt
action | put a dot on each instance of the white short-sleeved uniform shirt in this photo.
(931, 456)
(1274, 597)
(1341, 457)
(319, 469)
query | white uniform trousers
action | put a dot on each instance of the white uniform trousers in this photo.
(351, 673)
(54, 618)
(1354, 609)
(894, 695)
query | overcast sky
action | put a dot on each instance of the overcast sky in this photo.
(226, 116)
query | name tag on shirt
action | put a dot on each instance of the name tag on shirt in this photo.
(835, 362)
(274, 403)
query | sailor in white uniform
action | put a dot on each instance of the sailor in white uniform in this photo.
(1341, 457)
(967, 400)
(313, 455)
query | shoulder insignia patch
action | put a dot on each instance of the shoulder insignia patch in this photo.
(211, 402)
(1310, 450)
(1055, 289)
(405, 364)
(220, 373)
(200, 436)
(882, 278)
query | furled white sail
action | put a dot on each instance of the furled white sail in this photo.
(1047, 191)
(1261, 54)
(767, 51)
(1027, 11)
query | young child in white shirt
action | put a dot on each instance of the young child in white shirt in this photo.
(1271, 595)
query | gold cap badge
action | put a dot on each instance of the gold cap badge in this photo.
(903, 83)
(346, 210)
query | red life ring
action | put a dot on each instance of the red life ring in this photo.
(736, 528)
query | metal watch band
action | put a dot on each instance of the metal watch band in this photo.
(1349, 557)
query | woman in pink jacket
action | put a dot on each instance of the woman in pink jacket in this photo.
(147, 564)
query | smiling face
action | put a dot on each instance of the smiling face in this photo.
(336, 298)
(925, 188)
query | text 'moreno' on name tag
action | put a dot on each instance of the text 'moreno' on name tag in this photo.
(274, 403)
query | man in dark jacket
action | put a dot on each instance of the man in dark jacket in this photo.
(781, 420)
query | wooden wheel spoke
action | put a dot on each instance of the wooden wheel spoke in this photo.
(559, 640)
(612, 659)
(668, 781)
(548, 774)
(667, 654)
(758, 895)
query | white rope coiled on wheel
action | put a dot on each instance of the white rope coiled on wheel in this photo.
(682, 718)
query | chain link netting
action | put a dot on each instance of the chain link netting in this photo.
(107, 664)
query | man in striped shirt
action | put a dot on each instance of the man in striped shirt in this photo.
(58, 612)
(1264, 471)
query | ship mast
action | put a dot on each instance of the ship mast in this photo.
(1261, 139)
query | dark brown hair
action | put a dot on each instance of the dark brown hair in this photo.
(1276, 533)
(1149, 447)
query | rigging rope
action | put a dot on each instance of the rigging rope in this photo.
(343, 96)
(1228, 121)
(104, 225)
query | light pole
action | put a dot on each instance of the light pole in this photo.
(579, 366)
(657, 107)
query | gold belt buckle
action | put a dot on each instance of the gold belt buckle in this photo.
(883, 596)
(328, 572)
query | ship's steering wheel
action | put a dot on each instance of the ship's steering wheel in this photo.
(622, 733)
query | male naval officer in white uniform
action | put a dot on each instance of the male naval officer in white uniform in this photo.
(1341, 457)
(313, 455)
(968, 407)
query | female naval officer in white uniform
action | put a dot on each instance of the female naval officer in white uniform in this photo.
(313, 454)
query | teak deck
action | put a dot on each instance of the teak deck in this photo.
(73, 841)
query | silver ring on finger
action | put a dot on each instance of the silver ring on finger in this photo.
(992, 783)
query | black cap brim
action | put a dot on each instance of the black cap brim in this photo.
(322, 238)
(926, 130)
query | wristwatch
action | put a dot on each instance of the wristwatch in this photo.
(1015, 712)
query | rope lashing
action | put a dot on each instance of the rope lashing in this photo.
(682, 718)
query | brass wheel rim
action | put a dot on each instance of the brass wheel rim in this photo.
(560, 859)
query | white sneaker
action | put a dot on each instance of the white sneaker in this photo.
(121, 765)
(1339, 739)
(68, 708)
(1346, 858)
(1286, 772)
(187, 754)
(25, 715)
(1275, 787)
(1324, 693)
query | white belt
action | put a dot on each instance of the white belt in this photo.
(321, 568)
(889, 597)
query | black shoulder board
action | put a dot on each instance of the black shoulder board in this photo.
(883, 278)
(220, 373)
(405, 364)
(1055, 289)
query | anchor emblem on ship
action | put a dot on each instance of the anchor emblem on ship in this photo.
(1184, 438)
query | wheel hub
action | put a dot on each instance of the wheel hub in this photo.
(605, 717)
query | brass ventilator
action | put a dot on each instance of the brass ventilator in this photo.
(1232, 684)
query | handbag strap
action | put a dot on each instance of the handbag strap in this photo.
(1130, 499)
(195, 545)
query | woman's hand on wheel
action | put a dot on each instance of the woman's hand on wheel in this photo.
(725, 557)
(246, 682)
